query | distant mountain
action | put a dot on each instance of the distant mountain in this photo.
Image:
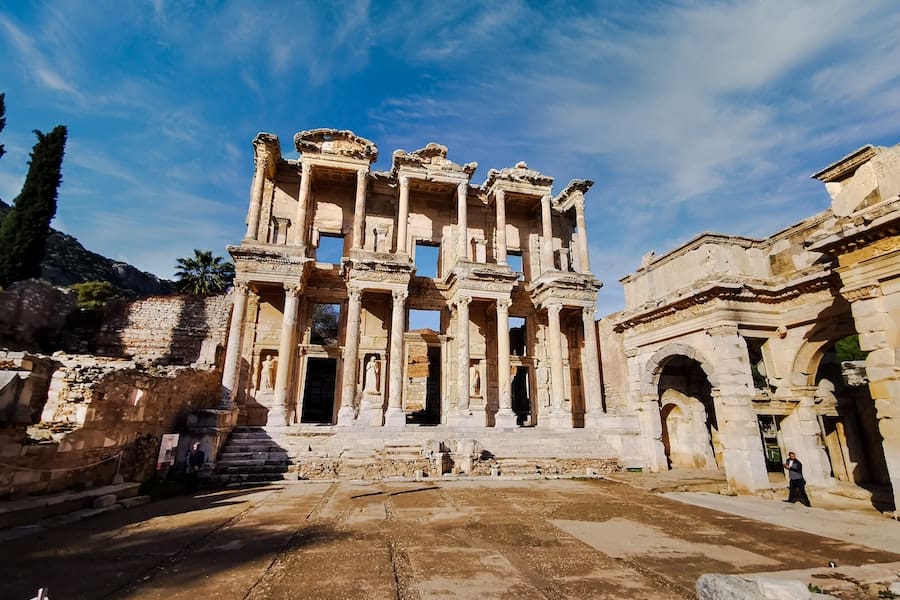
(67, 262)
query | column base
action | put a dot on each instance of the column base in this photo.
(505, 419)
(558, 420)
(346, 416)
(466, 418)
(395, 417)
(595, 420)
(277, 417)
(370, 416)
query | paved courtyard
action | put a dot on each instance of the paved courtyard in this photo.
(465, 539)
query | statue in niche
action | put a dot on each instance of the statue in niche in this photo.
(370, 382)
(475, 381)
(267, 373)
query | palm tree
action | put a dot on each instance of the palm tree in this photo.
(203, 273)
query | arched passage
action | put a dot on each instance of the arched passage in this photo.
(848, 419)
(687, 415)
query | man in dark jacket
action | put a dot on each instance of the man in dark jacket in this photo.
(795, 480)
(195, 459)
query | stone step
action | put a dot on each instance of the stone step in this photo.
(266, 454)
(255, 469)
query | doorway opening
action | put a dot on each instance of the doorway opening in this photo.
(318, 393)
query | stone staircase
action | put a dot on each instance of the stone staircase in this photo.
(257, 455)
(251, 455)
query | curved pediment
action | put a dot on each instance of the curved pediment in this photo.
(336, 142)
(433, 157)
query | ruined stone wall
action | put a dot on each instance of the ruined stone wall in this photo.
(99, 409)
(178, 330)
(32, 313)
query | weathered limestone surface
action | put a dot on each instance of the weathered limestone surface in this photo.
(748, 328)
(32, 314)
(101, 416)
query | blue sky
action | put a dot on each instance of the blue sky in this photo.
(689, 116)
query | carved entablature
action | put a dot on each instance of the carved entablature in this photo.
(377, 274)
(725, 289)
(846, 166)
(267, 151)
(520, 179)
(335, 142)
(465, 270)
(430, 162)
(267, 263)
(572, 288)
(573, 193)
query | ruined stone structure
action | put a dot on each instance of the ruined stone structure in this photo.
(421, 237)
(414, 297)
(727, 350)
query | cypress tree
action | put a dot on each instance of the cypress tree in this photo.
(2, 120)
(24, 231)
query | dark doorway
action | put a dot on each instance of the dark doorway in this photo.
(318, 395)
(521, 403)
(433, 388)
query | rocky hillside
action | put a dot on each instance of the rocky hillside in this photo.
(68, 262)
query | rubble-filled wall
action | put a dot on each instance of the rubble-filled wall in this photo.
(32, 313)
(102, 416)
(178, 330)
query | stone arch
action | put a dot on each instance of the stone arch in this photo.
(686, 436)
(651, 373)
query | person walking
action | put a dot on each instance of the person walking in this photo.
(195, 459)
(797, 485)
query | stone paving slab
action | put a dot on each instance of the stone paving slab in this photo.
(870, 530)
(481, 539)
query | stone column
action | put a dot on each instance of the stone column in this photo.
(359, 210)
(347, 412)
(546, 235)
(256, 193)
(395, 417)
(462, 248)
(403, 217)
(590, 370)
(462, 354)
(558, 417)
(505, 416)
(279, 413)
(875, 315)
(584, 259)
(732, 393)
(500, 202)
(231, 369)
(302, 200)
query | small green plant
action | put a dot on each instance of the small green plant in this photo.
(92, 295)
(813, 589)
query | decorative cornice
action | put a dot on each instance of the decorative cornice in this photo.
(733, 290)
(845, 167)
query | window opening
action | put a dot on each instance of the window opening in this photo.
(424, 319)
(331, 248)
(517, 336)
(324, 328)
(427, 257)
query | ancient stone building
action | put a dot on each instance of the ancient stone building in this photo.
(410, 297)
(729, 348)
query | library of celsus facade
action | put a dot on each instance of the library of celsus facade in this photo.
(413, 297)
